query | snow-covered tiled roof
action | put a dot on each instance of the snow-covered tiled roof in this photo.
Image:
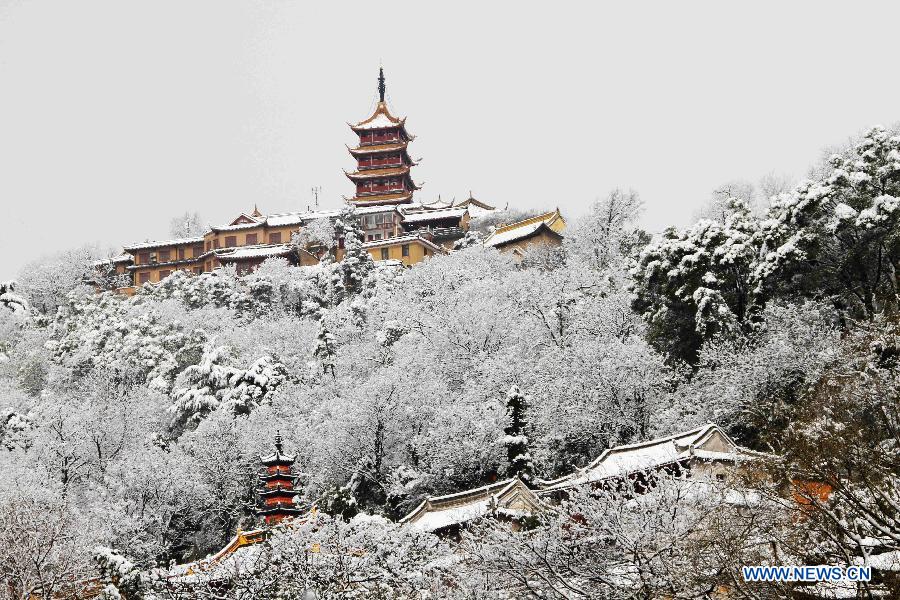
(420, 216)
(707, 442)
(511, 235)
(237, 227)
(114, 260)
(299, 217)
(510, 497)
(367, 210)
(522, 229)
(164, 243)
(256, 251)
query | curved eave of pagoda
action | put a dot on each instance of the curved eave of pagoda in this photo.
(377, 173)
(361, 151)
(278, 492)
(279, 509)
(278, 460)
(381, 118)
(377, 148)
(395, 198)
(406, 135)
(269, 476)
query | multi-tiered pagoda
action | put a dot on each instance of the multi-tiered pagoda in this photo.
(383, 164)
(277, 485)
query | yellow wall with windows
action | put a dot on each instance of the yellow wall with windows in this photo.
(263, 236)
(417, 253)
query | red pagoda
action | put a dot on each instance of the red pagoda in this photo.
(277, 485)
(383, 164)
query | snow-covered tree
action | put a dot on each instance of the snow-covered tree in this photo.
(680, 538)
(325, 348)
(694, 285)
(318, 236)
(46, 282)
(608, 233)
(10, 300)
(187, 225)
(357, 262)
(121, 578)
(39, 546)
(516, 440)
(210, 385)
(837, 236)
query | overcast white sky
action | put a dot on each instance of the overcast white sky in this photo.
(117, 115)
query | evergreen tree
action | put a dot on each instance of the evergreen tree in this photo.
(121, 577)
(515, 440)
(357, 263)
(325, 350)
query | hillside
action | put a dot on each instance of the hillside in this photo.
(136, 423)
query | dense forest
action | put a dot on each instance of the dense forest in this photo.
(131, 428)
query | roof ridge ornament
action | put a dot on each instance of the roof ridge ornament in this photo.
(381, 86)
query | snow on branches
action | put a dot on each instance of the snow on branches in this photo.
(211, 385)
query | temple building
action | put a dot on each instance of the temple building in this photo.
(394, 226)
(382, 174)
(277, 489)
(517, 238)
(510, 501)
(706, 452)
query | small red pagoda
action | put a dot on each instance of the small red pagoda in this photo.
(383, 164)
(277, 485)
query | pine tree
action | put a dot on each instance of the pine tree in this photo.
(357, 263)
(325, 350)
(515, 440)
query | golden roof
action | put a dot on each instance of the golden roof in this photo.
(549, 218)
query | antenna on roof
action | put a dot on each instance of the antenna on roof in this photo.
(315, 191)
(381, 87)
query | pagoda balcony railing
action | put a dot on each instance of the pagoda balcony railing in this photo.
(369, 139)
(280, 505)
(278, 486)
(378, 189)
(379, 164)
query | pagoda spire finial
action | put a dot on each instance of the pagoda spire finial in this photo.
(278, 446)
(381, 88)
